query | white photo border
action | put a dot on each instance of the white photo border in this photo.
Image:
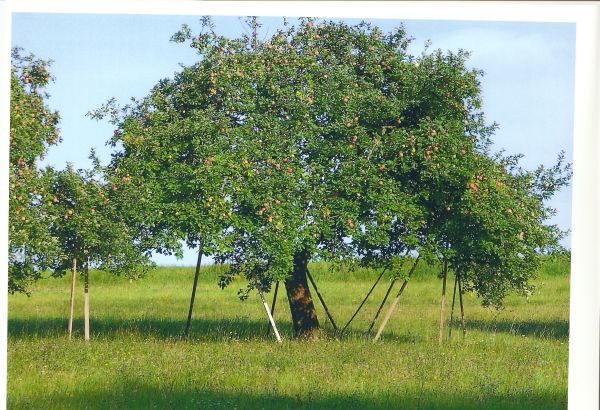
(584, 323)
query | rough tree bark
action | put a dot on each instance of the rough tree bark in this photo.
(304, 315)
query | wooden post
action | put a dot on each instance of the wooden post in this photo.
(443, 301)
(452, 310)
(395, 302)
(363, 302)
(262, 297)
(273, 306)
(86, 299)
(390, 311)
(193, 297)
(72, 299)
(462, 310)
(312, 281)
(381, 306)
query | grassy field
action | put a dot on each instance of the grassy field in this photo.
(510, 359)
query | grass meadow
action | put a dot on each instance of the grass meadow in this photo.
(515, 358)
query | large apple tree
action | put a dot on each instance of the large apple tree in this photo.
(324, 141)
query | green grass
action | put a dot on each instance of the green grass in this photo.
(512, 359)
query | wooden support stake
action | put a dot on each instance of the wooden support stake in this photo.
(312, 281)
(462, 310)
(381, 306)
(273, 306)
(72, 299)
(395, 302)
(193, 297)
(390, 311)
(86, 299)
(271, 320)
(452, 310)
(443, 301)
(363, 302)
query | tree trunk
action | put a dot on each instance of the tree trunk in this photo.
(186, 332)
(443, 301)
(452, 309)
(86, 300)
(304, 315)
(462, 309)
(72, 300)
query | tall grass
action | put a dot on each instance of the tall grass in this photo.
(515, 358)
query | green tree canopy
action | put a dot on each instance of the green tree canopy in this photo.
(329, 141)
(33, 128)
(89, 225)
(55, 216)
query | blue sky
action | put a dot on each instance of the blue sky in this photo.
(527, 88)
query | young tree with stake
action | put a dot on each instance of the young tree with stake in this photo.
(91, 231)
(497, 233)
